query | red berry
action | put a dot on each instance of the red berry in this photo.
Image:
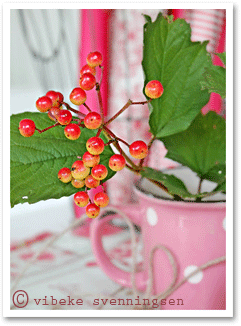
(138, 149)
(87, 69)
(78, 183)
(117, 162)
(52, 113)
(87, 81)
(43, 104)
(94, 59)
(61, 97)
(77, 96)
(26, 127)
(99, 172)
(79, 170)
(90, 160)
(64, 175)
(101, 199)
(56, 98)
(64, 117)
(95, 145)
(92, 210)
(81, 198)
(72, 131)
(93, 120)
(154, 89)
(91, 182)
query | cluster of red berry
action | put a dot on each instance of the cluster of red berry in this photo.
(88, 172)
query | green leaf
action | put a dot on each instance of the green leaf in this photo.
(35, 161)
(222, 56)
(174, 185)
(216, 174)
(147, 18)
(214, 80)
(170, 57)
(220, 187)
(202, 146)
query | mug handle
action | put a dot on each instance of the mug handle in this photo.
(116, 274)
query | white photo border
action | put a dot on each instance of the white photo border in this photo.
(6, 162)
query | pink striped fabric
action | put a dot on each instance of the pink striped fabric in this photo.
(208, 24)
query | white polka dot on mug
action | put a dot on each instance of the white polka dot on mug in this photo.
(152, 217)
(196, 278)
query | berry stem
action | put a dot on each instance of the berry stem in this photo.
(87, 107)
(101, 76)
(99, 132)
(110, 142)
(81, 125)
(131, 168)
(121, 140)
(100, 101)
(148, 146)
(115, 137)
(126, 106)
(73, 110)
(199, 186)
(109, 131)
(110, 134)
(141, 103)
(43, 130)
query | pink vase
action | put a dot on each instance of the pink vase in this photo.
(94, 37)
(193, 232)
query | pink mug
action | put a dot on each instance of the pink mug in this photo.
(193, 232)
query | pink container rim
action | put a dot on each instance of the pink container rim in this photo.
(155, 199)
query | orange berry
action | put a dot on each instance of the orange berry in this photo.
(99, 172)
(138, 149)
(94, 59)
(64, 175)
(95, 145)
(79, 170)
(91, 182)
(101, 199)
(154, 89)
(92, 210)
(81, 198)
